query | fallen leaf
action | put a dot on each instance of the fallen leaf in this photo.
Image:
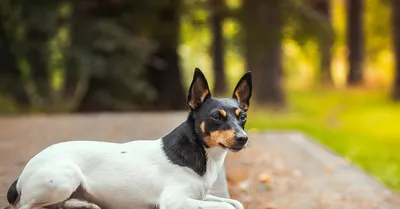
(244, 185)
(328, 168)
(236, 176)
(265, 177)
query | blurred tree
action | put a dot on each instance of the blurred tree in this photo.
(163, 71)
(355, 41)
(107, 44)
(10, 81)
(218, 50)
(396, 45)
(325, 40)
(37, 37)
(263, 22)
(63, 52)
(308, 22)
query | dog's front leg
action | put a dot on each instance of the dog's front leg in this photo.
(189, 203)
(233, 202)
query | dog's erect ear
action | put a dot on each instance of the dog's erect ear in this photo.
(242, 92)
(198, 91)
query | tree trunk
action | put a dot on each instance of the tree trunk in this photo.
(163, 70)
(396, 43)
(263, 27)
(10, 76)
(118, 82)
(355, 41)
(325, 39)
(218, 52)
(38, 61)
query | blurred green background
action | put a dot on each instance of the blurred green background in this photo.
(327, 68)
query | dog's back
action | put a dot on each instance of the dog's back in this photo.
(131, 171)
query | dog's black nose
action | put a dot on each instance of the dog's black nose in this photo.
(242, 139)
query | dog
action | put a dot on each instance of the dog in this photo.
(172, 172)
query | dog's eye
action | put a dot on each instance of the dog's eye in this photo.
(243, 117)
(217, 116)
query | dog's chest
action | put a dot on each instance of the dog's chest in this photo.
(209, 178)
(216, 157)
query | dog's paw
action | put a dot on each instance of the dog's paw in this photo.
(236, 204)
(227, 205)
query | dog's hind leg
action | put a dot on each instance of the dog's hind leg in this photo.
(53, 184)
(31, 207)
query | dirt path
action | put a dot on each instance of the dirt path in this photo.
(278, 171)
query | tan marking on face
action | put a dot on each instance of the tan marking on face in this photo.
(203, 127)
(223, 113)
(238, 111)
(226, 138)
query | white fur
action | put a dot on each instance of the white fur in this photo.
(133, 175)
(75, 203)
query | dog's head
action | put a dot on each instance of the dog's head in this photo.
(220, 121)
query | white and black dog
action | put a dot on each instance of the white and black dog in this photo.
(173, 172)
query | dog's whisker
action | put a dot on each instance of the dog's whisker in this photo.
(248, 145)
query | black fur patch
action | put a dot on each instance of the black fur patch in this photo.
(185, 145)
(12, 194)
(185, 148)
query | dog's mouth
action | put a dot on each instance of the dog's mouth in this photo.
(232, 149)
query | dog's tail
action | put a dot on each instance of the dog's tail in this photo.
(12, 194)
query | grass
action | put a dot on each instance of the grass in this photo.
(361, 125)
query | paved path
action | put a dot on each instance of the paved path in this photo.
(289, 171)
(297, 173)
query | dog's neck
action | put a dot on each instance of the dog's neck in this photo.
(216, 157)
(184, 147)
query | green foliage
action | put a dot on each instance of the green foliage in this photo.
(29, 27)
(360, 125)
(304, 23)
(379, 60)
(111, 54)
(195, 41)
(7, 104)
(57, 53)
(377, 32)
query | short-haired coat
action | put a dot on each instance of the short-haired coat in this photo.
(173, 172)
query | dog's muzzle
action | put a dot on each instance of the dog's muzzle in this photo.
(241, 139)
